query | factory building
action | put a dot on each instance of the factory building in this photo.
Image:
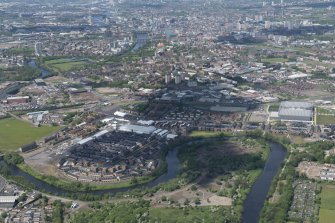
(168, 78)
(17, 100)
(7, 201)
(28, 147)
(137, 129)
(295, 111)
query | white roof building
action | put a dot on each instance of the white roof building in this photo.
(139, 129)
(120, 114)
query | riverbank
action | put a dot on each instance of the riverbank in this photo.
(76, 190)
(240, 171)
(76, 186)
(254, 202)
(189, 150)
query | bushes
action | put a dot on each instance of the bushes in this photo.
(24, 73)
(57, 212)
(314, 151)
(13, 158)
(130, 212)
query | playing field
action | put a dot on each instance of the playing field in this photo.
(207, 134)
(327, 208)
(15, 133)
(275, 60)
(325, 116)
(63, 65)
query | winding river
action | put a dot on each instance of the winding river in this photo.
(44, 73)
(172, 171)
(252, 205)
(255, 200)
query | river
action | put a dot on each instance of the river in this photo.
(44, 73)
(252, 205)
(255, 200)
(172, 171)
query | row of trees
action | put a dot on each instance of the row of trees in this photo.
(58, 212)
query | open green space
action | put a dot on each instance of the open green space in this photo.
(140, 211)
(327, 208)
(27, 51)
(64, 65)
(207, 134)
(273, 108)
(24, 73)
(325, 111)
(325, 119)
(15, 133)
(197, 214)
(317, 63)
(274, 60)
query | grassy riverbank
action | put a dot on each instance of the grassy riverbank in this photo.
(237, 159)
(76, 186)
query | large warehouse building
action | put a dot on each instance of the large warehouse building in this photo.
(295, 111)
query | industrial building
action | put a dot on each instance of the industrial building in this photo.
(28, 147)
(139, 129)
(7, 201)
(295, 111)
(17, 100)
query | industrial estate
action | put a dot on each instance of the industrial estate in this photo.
(180, 111)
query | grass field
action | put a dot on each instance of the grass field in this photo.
(207, 134)
(63, 65)
(325, 116)
(327, 208)
(325, 111)
(15, 133)
(275, 60)
(274, 107)
(325, 119)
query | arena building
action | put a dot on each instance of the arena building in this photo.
(295, 111)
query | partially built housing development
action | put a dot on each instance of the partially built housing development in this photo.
(113, 155)
(295, 111)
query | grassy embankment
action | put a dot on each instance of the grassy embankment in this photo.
(77, 186)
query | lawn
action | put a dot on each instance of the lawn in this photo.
(64, 65)
(325, 111)
(327, 208)
(275, 60)
(15, 133)
(207, 134)
(325, 116)
(274, 108)
(325, 119)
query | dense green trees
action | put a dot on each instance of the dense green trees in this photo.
(57, 212)
(24, 73)
(314, 151)
(125, 212)
(13, 158)
(140, 211)
(277, 211)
